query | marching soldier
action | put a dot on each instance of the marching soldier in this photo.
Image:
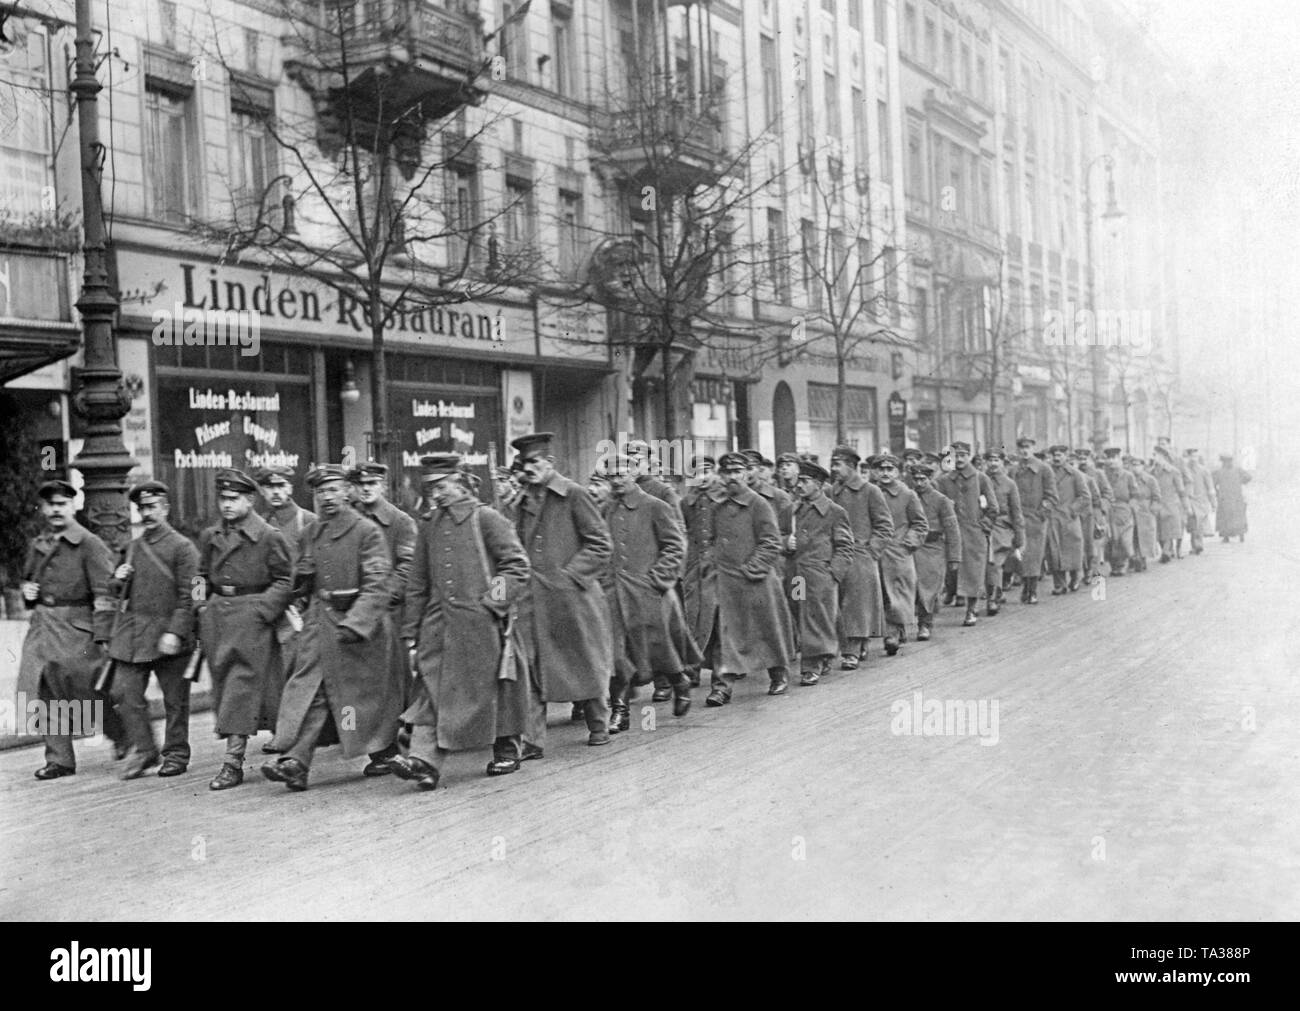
(65, 585)
(153, 632)
(699, 583)
(292, 520)
(1146, 506)
(1230, 510)
(1200, 499)
(343, 689)
(469, 569)
(750, 629)
(649, 481)
(787, 473)
(1097, 529)
(649, 552)
(822, 549)
(1065, 543)
(911, 457)
(862, 609)
(563, 619)
(976, 505)
(1173, 504)
(248, 578)
(1123, 487)
(941, 551)
(897, 566)
(1008, 534)
(1037, 485)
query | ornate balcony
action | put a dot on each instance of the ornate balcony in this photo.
(667, 144)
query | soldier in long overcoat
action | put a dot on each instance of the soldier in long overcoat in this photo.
(247, 576)
(1096, 530)
(822, 551)
(862, 599)
(153, 633)
(751, 630)
(1230, 513)
(976, 505)
(1201, 499)
(342, 689)
(1146, 507)
(1007, 537)
(563, 617)
(1173, 504)
(699, 584)
(1065, 540)
(649, 554)
(1038, 497)
(941, 552)
(897, 563)
(1123, 487)
(65, 580)
(468, 572)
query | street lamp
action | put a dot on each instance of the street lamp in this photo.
(1112, 215)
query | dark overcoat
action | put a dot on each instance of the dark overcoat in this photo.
(339, 554)
(1230, 516)
(699, 583)
(1173, 498)
(1146, 507)
(976, 505)
(897, 561)
(75, 611)
(1008, 531)
(1073, 507)
(942, 545)
(649, 555)
(822, 557)
(1037, 485)
(754, 631)
(465, 579)
(862, 600)
(563, 617)
(158, 598)
(250, 560)
(1123, 488)
(1200, 497)
(398, 529)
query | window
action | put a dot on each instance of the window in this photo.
(771, 83)
(519, 214)
(981, 79)
(949, 59)
(909, 31)
(957, 179)
(512, 43)
(1031, 208)
(860, 145)
(855, 14)
(889, 257)
(886, 149)
(967, 83)
(776, 255)
(811, 263)
(1011, 210)
(921, 312)
(859, 417)
(167, 23)
(25, 147)
(1008, 85)
(562, 62)
(171, 157)
(931, 45)
(253, 154)
(986, 193)
(832, 99)
(865, 289)
(570, 232)
(839, 264)
(878, 20)
(462, 249)
(916, 163)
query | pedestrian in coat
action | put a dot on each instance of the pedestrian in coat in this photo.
(862, 599)
(976, 505)
(822, 551)
(1230, 512)
(751, 629)
(65, 586)
(467, 573)
(284, 514)
(649, 555)
(1201, 499)
(1173, 504)
(1036, 482)
(699, 582)
(370, 479)
(153, 633)
(1074, 505)
(941, 552)
(1146, 507)
(1097, 529)
(342, 689)
(563, 615)
(1123, 487)
(648, 471)
(1007, 538)
(247, 582)
(897, 564)
(787, 473)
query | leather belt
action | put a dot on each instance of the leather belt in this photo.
(228, 590)
(49, 600)
(340, 600)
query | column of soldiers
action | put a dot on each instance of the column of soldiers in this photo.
(403, 642)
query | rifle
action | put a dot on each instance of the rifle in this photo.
(195, 664)
(104, 679)
(492, 475)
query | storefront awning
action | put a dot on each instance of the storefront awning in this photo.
(27, 345)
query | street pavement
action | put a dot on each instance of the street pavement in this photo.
(1144, 766)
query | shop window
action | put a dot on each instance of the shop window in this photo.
(171, 153)
(859, 418)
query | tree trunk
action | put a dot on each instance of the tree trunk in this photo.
(994, 432)
(379, 383)
(670, 420)
(841, 378)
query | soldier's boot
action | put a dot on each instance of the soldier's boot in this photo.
(970, 614)
(232, 767)
(693, 676)
(778, 681)
(1073, 583)
(722, 688)
(923, 631)
(663, 690)
(1058, 583)
(682, 695)
(810, 677)
(991, 608)
(620, 717)
(893, 640)
(578, 714)
(291, 772)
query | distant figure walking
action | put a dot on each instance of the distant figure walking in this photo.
(1230, 517)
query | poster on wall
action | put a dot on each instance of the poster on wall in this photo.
(137, 431)
(206, 426)
(428, 421)
(517, 385)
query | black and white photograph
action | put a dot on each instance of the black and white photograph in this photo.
(651, 460)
